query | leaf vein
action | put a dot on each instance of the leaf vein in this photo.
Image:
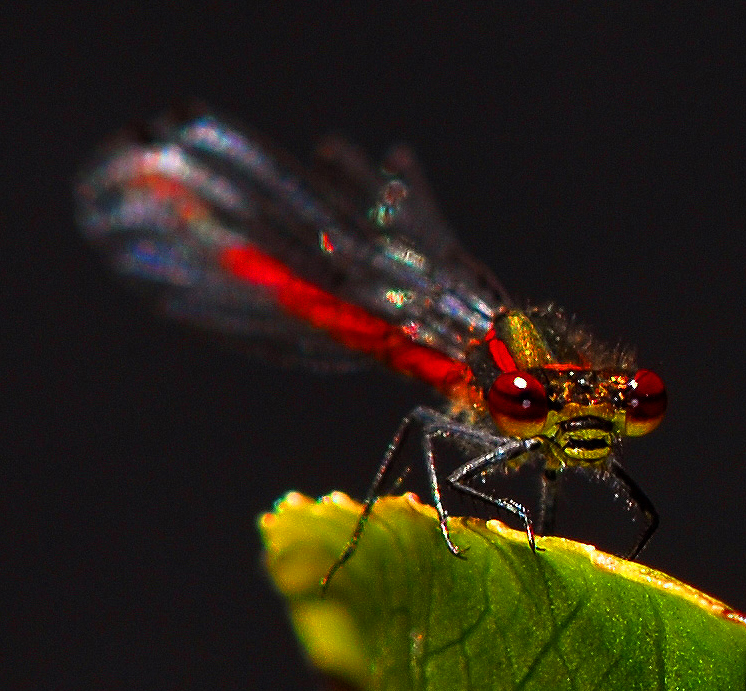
(550, 643)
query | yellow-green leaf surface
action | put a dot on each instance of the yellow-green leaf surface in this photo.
(403, 613)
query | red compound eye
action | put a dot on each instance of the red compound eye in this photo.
(518, 404)
(646, 403)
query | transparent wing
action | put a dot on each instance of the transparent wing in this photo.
(167, 208)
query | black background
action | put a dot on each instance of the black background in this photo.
(592, 157)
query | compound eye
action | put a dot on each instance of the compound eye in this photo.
(518, 404)
(645, 402)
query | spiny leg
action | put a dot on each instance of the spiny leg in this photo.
(376, 487)
(434, 423)
(435, 490)
(638, 497)
(500, 450)
(472, 469)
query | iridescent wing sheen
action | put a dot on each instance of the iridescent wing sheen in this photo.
(167, 208)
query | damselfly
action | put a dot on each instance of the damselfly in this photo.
(343, 262)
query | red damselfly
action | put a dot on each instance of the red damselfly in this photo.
(341, 262)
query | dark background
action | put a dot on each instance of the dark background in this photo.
(592, 157)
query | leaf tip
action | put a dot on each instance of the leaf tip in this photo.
(340, 500)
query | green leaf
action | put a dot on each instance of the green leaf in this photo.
(403, 613)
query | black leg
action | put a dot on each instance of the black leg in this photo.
(434, 424)
(432, 475)
(638, 497)
(500, 450)
(508, 451)
(375, 491)
(545, 524)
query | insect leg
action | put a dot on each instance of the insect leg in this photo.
(545, 524)
(418, 415)
(432, 475)
(484, 464)
(638, 497)
(441, 426)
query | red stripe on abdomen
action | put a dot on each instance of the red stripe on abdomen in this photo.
(351, 325)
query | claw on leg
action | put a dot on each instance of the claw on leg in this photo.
(452, 547)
